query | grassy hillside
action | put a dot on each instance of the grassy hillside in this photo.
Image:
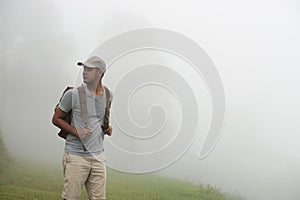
(42, 182)
(5, 159)
(39, 181)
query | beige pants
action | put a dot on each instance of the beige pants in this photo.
(84, 170)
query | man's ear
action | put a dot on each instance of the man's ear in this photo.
(100, 73)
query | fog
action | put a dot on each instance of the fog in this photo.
(254, 46)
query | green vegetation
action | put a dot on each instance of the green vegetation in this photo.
(5, 158)
(39, 181)
(46, 182)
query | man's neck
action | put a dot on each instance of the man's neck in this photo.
(95, 89)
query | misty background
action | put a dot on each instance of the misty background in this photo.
(254, 45)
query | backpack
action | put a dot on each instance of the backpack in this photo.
(83, 106)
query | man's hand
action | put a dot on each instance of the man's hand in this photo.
(84, 133)
(108, 131)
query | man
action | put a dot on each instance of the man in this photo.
(84, 160)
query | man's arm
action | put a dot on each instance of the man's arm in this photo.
(58, 120)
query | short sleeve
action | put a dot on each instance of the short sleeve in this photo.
(66, 102)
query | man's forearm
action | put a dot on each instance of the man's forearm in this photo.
(62, 124)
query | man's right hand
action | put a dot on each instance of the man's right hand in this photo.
(84, 133)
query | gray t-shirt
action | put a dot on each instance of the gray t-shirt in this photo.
(96, 110)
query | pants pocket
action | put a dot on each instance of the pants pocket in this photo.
(64, 162)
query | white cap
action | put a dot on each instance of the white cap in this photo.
(94, 62)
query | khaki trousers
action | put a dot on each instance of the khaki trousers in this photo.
(84, 170)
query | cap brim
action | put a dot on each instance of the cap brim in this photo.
(86, 65)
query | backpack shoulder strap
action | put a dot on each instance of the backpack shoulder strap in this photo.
(107, 93)
(83, 108)
(83, 105)
(107, 109)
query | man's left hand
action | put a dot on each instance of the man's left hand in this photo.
(109, 131)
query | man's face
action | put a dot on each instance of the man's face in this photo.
(91, 75)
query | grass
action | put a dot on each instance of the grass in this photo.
(21, 180)
(37, 181)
